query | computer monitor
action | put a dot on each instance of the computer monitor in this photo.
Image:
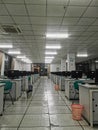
(6, 73)
(96, 76)
(12, 74)
(76, 74)
(63, 73)
(66, 73)
(91, 74)
(21, 73)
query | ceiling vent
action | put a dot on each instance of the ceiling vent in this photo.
(11, 29)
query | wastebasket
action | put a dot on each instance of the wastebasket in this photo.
(56, 87)
(77, 111)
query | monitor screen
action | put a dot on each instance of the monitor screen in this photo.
(12, 74)
(91, 74)
(23, 73)
(76, 74)
(67, 73)
(96, 76)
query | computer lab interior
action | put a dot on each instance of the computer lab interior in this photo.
(48, 64)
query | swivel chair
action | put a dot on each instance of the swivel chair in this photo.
(7, 90)
(76, 87)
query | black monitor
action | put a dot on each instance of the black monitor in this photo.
(24, 73)
(96, 76)
(6, 73)
(90, 74)
(67, 73)
(76, 74)
(12, 74)
(63, 73)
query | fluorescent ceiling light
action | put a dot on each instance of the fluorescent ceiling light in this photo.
(53, 47)
(51, 53)
(48, 61)
(96, 61)
(82, 55)
(49, 57)
(57, 35)
(26, 60)
(21, 57)
(14, 52)
(6, 46)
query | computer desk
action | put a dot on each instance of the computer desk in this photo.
(69, 88)
(88, 97)
(16, 88)
(1, 97)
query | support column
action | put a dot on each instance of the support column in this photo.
(63, 65)
(2, 57)
(71, 62)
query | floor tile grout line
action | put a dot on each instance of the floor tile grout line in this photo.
(64, 102)
(49, 114)
(71, 111)
(62, 99)
(27, 108)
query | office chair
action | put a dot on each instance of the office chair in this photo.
(7, 90)
(76, 86)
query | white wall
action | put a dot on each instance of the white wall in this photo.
(55, 67)
(18, 65)
(28, 67)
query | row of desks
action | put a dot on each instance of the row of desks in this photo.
(88, 97)
(19, 85)
(69, 88)
(1, 97)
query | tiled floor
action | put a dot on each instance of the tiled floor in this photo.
(45, 110)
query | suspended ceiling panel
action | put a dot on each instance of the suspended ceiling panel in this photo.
(35, 18)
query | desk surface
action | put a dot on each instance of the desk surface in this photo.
(2, 84)
(71, 79)
(88, 86)
(16, 79)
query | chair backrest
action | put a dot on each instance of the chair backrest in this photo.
(8, 85)
(29, 78)
(76, 84)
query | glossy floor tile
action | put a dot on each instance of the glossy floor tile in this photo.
(44, 109)
(58, 110)
(37, 110)
(10, 120)
(15, 110)
(67, 128)
(8, 128)
(39, 103)
(63, 120)
(35, 120)
(35, 128)
(89, 128)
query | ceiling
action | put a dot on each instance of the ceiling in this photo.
(78, 18)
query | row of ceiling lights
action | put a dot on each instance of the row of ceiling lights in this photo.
(49, 48)
(50, 53)
(48, 58)
(16, 53)
(57, 36)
